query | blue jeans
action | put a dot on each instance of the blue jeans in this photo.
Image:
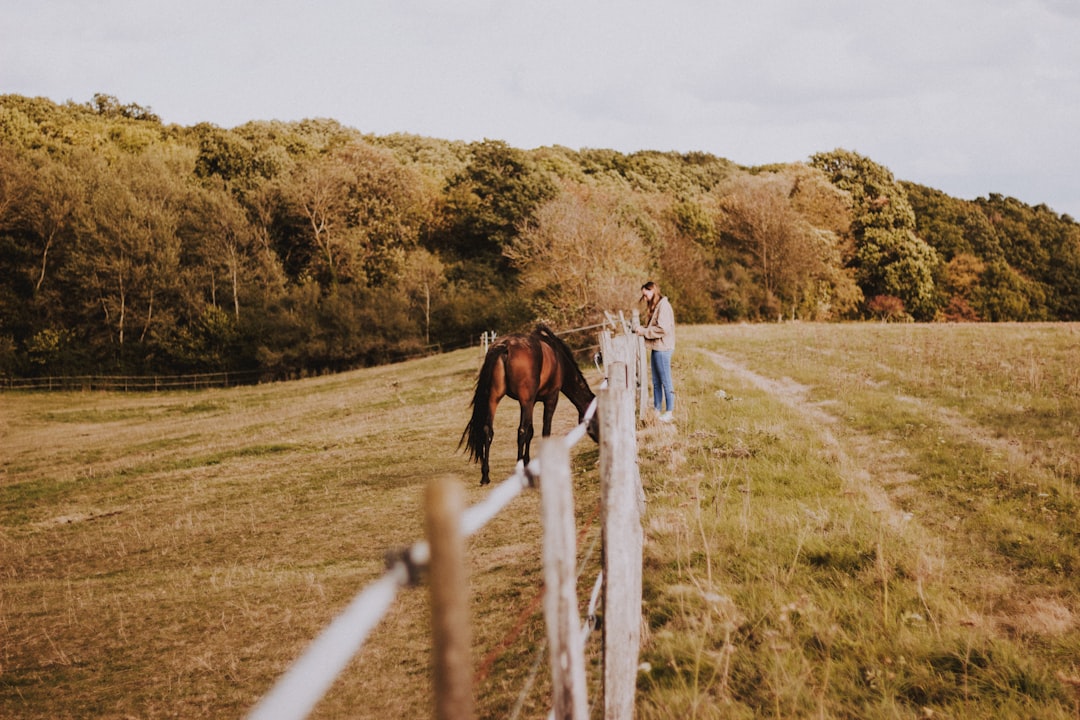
(662, 385)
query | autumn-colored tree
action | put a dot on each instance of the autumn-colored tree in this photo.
(687, 275)
(16, 266)
(15, 176)
(126, 263)
(962, 275)
(49, 209)
(361, 211)
(225, 242)
(797, 263)
(579, 256)
(319, 191)
(958, 309)
(887, 308)
(293, 247)
(960, 283)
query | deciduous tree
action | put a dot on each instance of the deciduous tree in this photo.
(423, 275)
(580, 255)
(798, 264)
(890, 259)
(127, 259)
(49, 208)
(488, 201)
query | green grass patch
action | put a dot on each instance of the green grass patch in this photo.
(851, 529)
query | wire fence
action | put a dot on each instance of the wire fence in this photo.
(127, 383)
(305, 683)
(310, 677)
(206, 380)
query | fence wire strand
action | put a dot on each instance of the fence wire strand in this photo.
(590, 625)
(309, 678)
(480, 514)
(298, 691)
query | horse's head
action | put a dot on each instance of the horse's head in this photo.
(593, 428)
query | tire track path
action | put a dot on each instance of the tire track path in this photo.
(870, 478)
(871, 467)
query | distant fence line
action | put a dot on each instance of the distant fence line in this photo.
(191, 381)
(206, 380)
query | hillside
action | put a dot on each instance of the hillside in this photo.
(855, 521)
(281, 250)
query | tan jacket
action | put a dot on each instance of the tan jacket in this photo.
(659, 332)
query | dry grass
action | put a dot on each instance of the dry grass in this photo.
(846, 521)
(169, 555)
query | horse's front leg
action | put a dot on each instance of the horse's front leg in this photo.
(525, 431)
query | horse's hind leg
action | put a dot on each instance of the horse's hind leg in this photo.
(496, 393)
(485, 455)
(525, 431)
(549, 412)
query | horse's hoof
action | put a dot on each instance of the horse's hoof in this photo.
(484, 481)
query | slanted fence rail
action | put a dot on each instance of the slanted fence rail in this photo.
(441, 555)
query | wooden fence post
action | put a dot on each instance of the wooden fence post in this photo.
(619, 375)
(451, 634)
(607, 350)
(625, 348)
(622, 501)
(644, 372)
(560, 582)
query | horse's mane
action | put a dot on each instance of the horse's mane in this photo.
(565, 354)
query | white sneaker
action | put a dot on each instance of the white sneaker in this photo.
(666, 417)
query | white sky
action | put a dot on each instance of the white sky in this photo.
(967, 96)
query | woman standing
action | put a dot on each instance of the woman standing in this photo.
(659, 334)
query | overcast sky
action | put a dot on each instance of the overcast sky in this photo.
(968, 96)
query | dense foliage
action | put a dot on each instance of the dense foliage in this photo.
(132, 246)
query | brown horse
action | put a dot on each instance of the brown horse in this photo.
(527, 368)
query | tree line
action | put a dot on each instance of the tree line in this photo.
(132, 246)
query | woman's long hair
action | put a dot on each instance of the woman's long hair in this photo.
(656, 298)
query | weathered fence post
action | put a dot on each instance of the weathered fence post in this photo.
(560, 582)
(452, 638)
(644, 372)
(607, 349)
(622, 501)
(628, 348)
(487, 338)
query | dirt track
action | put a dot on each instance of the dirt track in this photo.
(870, 468)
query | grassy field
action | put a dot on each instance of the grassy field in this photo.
(848, 521)
(867, 521)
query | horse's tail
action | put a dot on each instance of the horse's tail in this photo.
(475, 436)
